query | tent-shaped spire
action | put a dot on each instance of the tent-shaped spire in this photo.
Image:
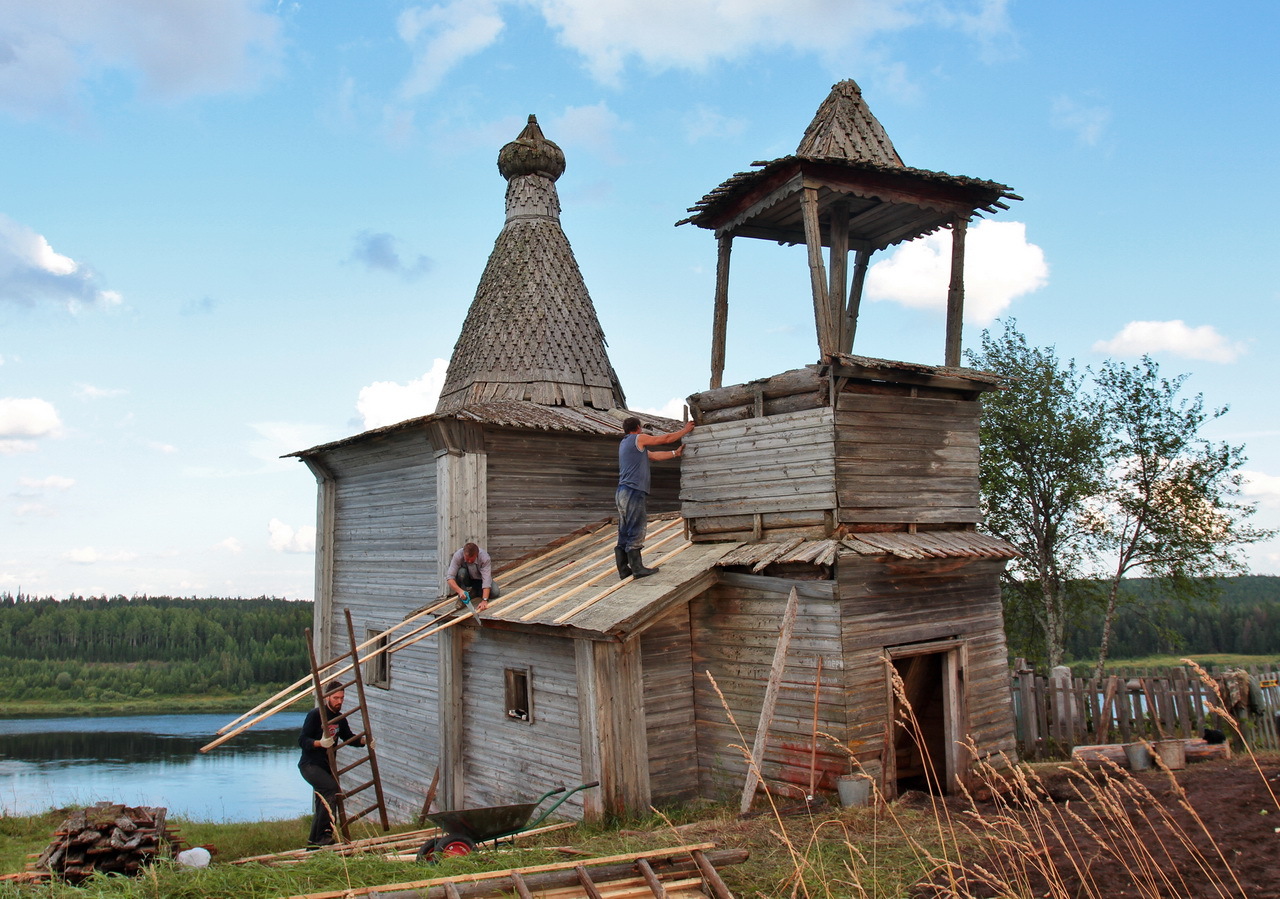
(531, 332)
(845, 128)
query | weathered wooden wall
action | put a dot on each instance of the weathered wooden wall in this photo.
(670, 722)
(543, 485)
(735, 632)
(780, 468)
(906, 459)
(900, 602)
(383, 566)
(506, 761)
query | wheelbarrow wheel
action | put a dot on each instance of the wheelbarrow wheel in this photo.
(443, 847)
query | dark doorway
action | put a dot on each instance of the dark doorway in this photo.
(920, 742)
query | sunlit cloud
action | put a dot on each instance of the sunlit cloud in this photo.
(1175, 337)
(673, 408)
(1000, 266)
(703, 123)
(1264, 489)
(29, 417)
(442, 36)
(32, 272)
(285, 539)
(52, 482)
(1087, 121)
(231, 545)
(91, 392)
(387, 402)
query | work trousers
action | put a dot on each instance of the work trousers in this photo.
(474, 586)
(325, 786)
(633, 517)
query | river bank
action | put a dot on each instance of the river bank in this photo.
(195, 703)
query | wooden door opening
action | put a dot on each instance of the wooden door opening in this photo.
(926, 753)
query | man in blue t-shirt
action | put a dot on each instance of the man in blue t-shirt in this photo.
(633, 491)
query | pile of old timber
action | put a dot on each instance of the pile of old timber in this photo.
(107, 838)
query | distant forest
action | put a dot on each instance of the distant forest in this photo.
(113, 648)
(1245, 620)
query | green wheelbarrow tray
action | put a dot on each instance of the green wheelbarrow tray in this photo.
(497, 821)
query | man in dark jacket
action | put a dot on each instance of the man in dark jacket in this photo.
(316, 741)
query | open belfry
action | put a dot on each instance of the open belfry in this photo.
(816, 552)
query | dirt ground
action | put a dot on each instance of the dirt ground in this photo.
(1227, 843)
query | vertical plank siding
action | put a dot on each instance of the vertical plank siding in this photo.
(543, 485)
(670, 720)
(735, 631)
(383, 566)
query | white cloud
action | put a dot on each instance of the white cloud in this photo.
(13, 447)
(1000, 265)
(703, 123)
(673, 408)
(1176, 337)
(1086, 121)
(90, 392)
(88, 555)
(176, 48)
(29, 417)
(279, 438)
(387, 402)
(159, 447)
(52, 482)
(31, 271)
(235, 547)
(284, 539)
(685, 34)
(592, 127)
(1261, 488)
(441, 37)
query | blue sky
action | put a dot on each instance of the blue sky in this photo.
(233, 230)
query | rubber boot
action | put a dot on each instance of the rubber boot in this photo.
(637, 567)
(624, 567)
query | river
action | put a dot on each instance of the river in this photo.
(153, 760)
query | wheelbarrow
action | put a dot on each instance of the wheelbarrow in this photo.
(467, 828)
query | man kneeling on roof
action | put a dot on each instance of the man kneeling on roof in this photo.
(470, 576)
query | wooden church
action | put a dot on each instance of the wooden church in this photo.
(851, 481)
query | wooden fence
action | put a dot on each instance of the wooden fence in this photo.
(1053, 715)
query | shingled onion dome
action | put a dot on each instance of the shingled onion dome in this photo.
(531, 154)
(531, 333)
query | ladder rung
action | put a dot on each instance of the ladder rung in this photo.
(354, 790)
(351, 819)
(588, 885)
(355, 764)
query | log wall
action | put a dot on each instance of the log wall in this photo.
(906, 459)
(734, 630)
(543, 485)
(506, 761)
(383, 566)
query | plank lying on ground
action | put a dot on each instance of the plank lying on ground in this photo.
(628, 858)
(565, 883)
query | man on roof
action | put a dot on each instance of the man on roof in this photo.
(633, 491)
(470, 576)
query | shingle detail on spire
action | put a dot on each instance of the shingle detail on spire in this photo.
(531, 332)
(845, 128)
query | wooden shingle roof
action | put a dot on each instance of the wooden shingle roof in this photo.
(532, 332)
(844, 128)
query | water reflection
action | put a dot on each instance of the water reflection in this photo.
(153, 760)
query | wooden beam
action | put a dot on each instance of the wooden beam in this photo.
(322, 614)
(770, 701)
(817, 272)
(838, 228)
(720, 315)
(955, 292)
(855, 299)
(451, 691)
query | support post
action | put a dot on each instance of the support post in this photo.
(720, 315)
(855, 299)
(838, 225)
(322, 615)
(817, 272)
(955, 293)
(770, 701)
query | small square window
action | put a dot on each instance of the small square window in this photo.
(519, 697)
(377, 670)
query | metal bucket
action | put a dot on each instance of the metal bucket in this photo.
(1139, 756)
(1172, 754)
(854, 789)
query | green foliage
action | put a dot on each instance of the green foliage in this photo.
(111, 649)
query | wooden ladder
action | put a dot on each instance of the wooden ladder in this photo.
(345, 818)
